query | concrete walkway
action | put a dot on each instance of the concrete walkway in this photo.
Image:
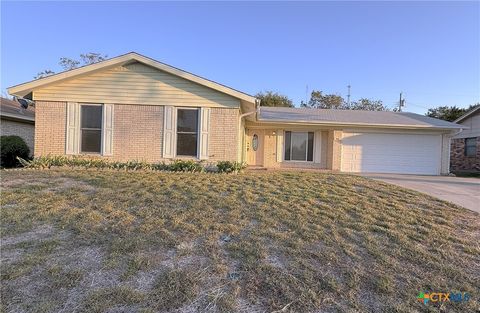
(462, 191)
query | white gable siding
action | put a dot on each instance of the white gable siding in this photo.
(135, 83)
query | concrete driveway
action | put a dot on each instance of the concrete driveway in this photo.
(462, 191)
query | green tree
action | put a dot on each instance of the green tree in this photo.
(318, 100)
(449, 113)
(273, 99)
(368, 105)
(70, 64)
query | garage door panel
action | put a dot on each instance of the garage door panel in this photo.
(391, 153)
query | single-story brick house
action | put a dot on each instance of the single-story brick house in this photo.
(132, 107)
(465, 150)
(17, 121)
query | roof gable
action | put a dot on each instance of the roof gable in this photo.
(25, 88)
(468, 114)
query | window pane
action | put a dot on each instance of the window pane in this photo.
(187, 144)
(187, 120)
(299, 146)
(310, 147)
(287, 145)
(470, 146)
(91, 141)
(91, 116)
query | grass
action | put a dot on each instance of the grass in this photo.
(92, 241)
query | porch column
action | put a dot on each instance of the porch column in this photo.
(334, 150)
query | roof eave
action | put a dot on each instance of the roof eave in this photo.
(17, 117)
(335, 124)
(467, 115)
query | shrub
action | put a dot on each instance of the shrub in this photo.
(44, 162)
(230, 167)
(11, 148)
(185, 166)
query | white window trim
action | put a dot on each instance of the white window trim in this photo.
(306, 152)
(175, 155)
(80, 130)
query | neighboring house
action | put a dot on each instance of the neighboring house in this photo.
(465, 150)
(135, 108)
(17, 121)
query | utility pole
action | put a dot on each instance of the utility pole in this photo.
(401, 103)
(306, 94)
(348, 95)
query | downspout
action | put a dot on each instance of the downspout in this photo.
(255, 111)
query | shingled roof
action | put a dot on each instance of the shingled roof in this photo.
(12, 109)
(351, 117)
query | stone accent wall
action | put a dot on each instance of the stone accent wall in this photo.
(460, 162)
(223, 134)
(50, 127)
(22, 129)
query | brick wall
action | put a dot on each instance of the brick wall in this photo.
(137, 132)
(334, 150)
(458, 160)
(24, 130)
(50, 127)
(223, 137)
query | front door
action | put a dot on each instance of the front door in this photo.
(254, 146)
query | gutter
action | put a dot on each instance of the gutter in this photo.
(333, 124)
(15, 117)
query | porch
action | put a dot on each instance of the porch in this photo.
(308, 148)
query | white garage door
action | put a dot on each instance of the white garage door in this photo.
(391, 153)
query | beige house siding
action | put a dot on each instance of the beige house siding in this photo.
(50, 127)
(135, 83)
(473, 124)
(24, 130)
(137, 132)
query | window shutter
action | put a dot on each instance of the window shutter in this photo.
(317, 146)
(168, 131)
(107, 129)
(73, 128)
(204, 127)
(279, 145)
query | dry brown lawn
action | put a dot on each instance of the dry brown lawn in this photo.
(104, 241)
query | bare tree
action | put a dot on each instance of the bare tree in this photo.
(70, 64)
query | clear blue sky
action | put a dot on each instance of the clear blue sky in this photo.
(428, 50)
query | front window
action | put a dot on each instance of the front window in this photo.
(91, 128)
(187, 132)
(470, 146)
(298, 146)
